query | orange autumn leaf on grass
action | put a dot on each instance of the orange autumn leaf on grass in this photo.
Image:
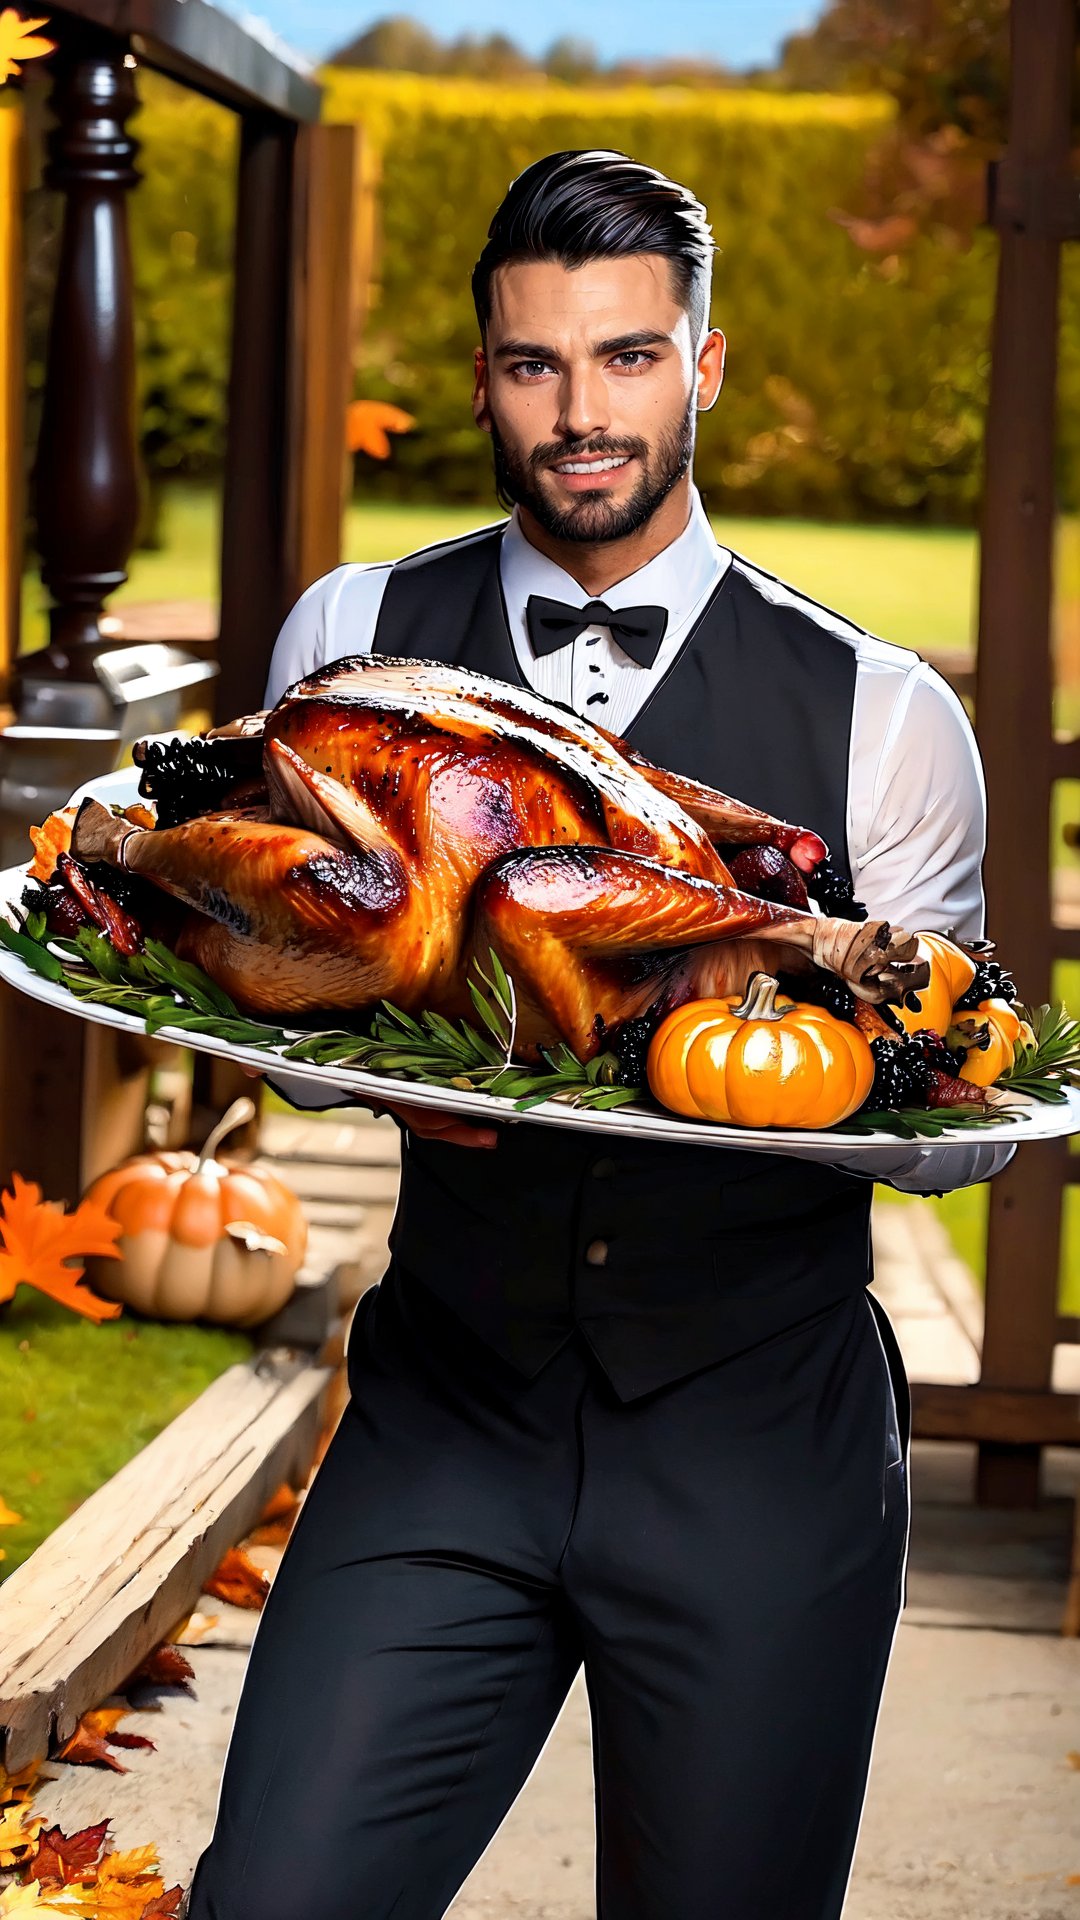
(369, 424)
(37, 1238)
(20, 41)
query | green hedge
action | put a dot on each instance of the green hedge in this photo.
(856, 388)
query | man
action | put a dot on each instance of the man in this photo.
(623, 1404)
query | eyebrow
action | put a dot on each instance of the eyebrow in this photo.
(625, 343)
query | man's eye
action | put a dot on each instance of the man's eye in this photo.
(531, 368)
(633, 358)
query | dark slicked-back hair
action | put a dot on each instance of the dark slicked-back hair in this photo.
(590, 205)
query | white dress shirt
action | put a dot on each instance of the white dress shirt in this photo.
(916, 808)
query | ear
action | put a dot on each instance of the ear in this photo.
(710, 369)
(480, 410)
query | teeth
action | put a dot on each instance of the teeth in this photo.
(593, 466)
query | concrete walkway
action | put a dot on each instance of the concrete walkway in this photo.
(973, 1807)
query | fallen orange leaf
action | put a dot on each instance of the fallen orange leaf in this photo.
(277, 1519)
(8, 1516)
(369, 424)
(50, 840)
(239, 1581)
(1072, 1759)
(38, 1238)
(96, 1732)
(19, 1830)
(18, 41)
(164, 1666)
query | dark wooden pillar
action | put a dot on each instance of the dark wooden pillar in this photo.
(86, 479)
(255, 535)
(1030, 207)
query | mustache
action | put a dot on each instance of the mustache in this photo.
(551, 452)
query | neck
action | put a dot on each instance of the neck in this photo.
(598, 566)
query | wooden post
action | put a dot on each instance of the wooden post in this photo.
(255, 543)
(1014, 692)
(86, 479)
(321, 348)
(12, 182)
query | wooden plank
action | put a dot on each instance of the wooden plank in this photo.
(1013, 699)
(292, 1140)
(207, 49)
(80, 1614)
(320, 342)
(946, 1411)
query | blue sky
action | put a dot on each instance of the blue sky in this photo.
(738, 32)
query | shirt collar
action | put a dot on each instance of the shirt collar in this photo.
(676, 578)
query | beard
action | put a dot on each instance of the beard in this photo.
(592, 517)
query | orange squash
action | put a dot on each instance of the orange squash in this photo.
(763, 1062)
(951, 974)
(202, 1239)
(984, 1065)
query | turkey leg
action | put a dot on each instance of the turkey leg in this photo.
(592, 937)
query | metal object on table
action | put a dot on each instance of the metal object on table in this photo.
(70, 731)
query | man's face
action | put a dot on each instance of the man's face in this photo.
(589, 386)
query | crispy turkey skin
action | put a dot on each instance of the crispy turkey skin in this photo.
(415, 815)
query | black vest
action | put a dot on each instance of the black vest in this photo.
(668, 1258)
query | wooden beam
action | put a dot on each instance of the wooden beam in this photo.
(255, 581)
(945, 1411)
(109, 1583)
(12, 183)
(205, 48)
(1013, 699)
(320, 346)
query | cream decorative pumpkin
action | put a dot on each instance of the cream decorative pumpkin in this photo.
(202, 1239)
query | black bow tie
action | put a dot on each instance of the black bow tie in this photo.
(638, 630)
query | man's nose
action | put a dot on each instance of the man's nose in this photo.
(583, 403)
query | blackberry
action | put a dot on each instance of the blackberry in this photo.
(631, 1048)
(821, 990)
(834, 893)
(901, 1076)
(939, 1057)
(185, 778)
(991, 982)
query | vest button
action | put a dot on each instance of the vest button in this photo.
(603, 1169)
(596, 1253)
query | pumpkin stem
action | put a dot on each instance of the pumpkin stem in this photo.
(760, 1002)
(235, 1116)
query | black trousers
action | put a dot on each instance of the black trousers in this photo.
(727, 1556)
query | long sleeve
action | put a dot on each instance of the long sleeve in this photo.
(917, 782)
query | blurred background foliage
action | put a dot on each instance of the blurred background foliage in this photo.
(854, 277)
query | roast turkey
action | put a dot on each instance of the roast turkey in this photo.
(409, 817)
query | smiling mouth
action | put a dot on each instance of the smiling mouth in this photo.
(603, 463)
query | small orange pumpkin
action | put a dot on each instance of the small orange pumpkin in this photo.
(984, 1065)
(764, 1062)
(951, 974)
(201, 1239)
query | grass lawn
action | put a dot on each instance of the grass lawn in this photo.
(78, 1400)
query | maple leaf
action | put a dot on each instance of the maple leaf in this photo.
(19, 41)
(369, 424)
(38, 1238)
(238, 1580)
(8, 1516)
(68, 1857)
(35, 1899)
